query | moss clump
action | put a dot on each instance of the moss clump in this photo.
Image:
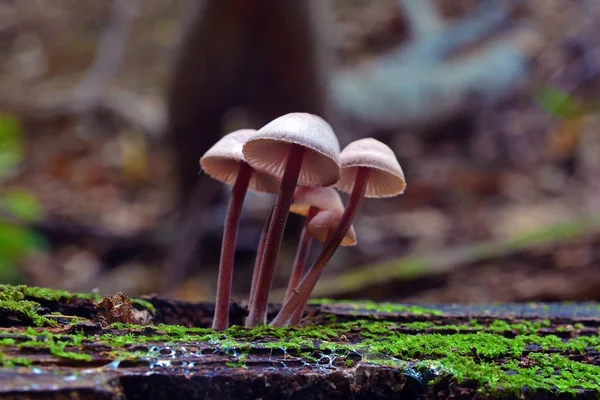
(22, 299)
(26, 300)
(7, 361)
(553, 373)
(20, 292)
(520, 327)
(168, 334)
(141, 303)
(27, 308)
(367, 305)
(55, 344)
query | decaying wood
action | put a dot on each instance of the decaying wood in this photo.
(215, 368)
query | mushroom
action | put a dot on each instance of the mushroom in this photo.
(297, 148)
(369, 169)
(224, 161)
(321, 227)
(308, 201)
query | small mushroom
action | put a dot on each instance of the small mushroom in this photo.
(308, 201)
(224, 161)
(321, 226)
(297, 148)
(369, 169)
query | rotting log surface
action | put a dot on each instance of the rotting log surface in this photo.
(56, 345)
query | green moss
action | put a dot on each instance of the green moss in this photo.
(367, 305)
(141, 303)
(27, 308)
(474, 357)
(23, 292)
(497, 326)
(7, 342)
(488, 354)
(22, 299)
(239, 363)
(7, 361)
(26, 300)
(55, 344)
(467, 357)
(489, 360)
(520, 327)
(20, 292)
(550, 372)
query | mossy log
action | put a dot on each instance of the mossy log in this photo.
(60, 345)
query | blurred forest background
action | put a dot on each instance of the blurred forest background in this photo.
(490, 105)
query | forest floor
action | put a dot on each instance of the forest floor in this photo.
(494, 175)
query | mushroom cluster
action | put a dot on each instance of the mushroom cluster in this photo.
(296, 156)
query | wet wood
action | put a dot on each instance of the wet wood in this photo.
(211, 369)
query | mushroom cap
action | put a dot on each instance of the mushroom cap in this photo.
(386, 178)
(222, 162)
(267, 150)
(325, 222)
(323, 198)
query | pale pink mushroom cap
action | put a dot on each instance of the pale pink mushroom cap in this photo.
(267, 150)
(323, 198)
(325, 222)
(222, 162)
(386, 178)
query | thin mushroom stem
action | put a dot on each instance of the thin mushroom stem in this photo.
(301, 254)
(259, 255)
(299, 310)
(304, 289)
(281, 210)
(234, 211)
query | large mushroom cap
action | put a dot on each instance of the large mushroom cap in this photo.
(386, 178)
(323, 198)
(267, 150)
(222, 162)
(325, 222)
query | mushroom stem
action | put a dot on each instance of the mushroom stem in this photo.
(304, 289)
(301, 254)
(259, 255)
(299, 310)
(281, 210)
(234, 211)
